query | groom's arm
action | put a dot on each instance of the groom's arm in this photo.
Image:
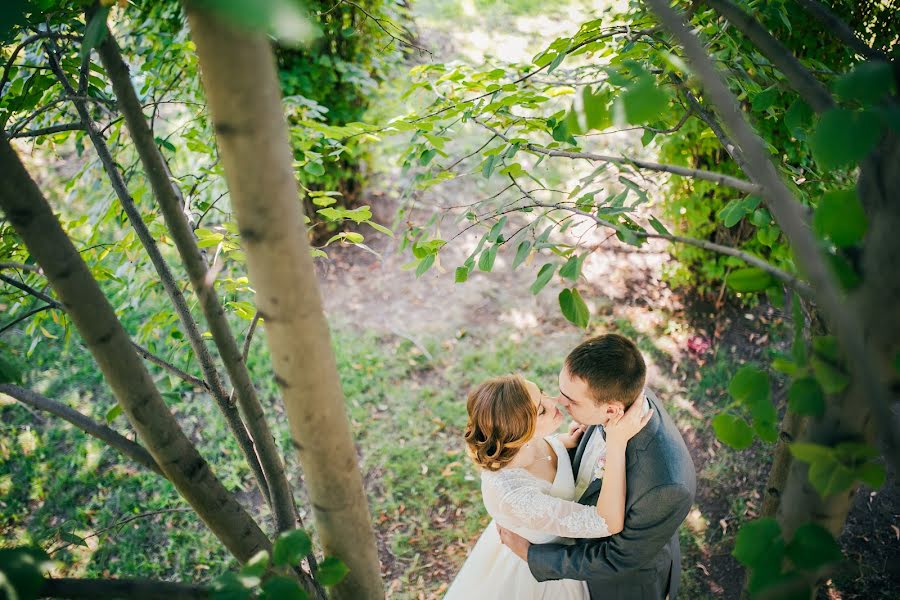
(650, 524)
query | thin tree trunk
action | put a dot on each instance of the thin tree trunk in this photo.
(791, 426)
(172, 204)
(167, 279)
(32, 218)
(848, 417)
(238, 71)
(115, 440)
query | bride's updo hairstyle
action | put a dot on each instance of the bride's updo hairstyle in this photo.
(502, 419)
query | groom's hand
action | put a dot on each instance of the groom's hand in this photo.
(514, 542)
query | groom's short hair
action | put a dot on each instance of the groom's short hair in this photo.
(612, 366)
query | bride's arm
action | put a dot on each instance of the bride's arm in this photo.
(611, 501)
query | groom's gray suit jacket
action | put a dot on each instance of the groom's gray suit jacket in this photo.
(643, 562)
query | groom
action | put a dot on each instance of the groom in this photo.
(600, 379)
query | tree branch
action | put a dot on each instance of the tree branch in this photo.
(121, 522)
(19, 266)
(112, 438)
(720, 178)
(789, 215)
(840, 29)
(21, 318)
(189, 325)
(48, 130)
(809, 88)
(33, 220)
(194, 381)
(257, 441)
(134, 589)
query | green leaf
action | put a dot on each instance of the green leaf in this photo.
(750, 279)
(114, 412)
(426, 156)
(840, 217)
(332, 570)
(487, 167)
(496, 230)
(830, 477)
(522, 253)
(867, 83)
(732, 430)
(798, 117)
(486, 260)
(424, 265)
(658, 226)
(290, 547)
(755, 540)
(380, 228)
(95, 31)
(596, 109)
(736, 210)
(811, 453)
(844, 137)
(872, 474)
(644, 100)
(812, 547)
(556, 62)
(9, 372)
(23, 569)
(316, 168)
(806, 397)
(765, 420)
(831, 378)
(543, 277)
(572, 268)
(282, 588)
(462, 274)
(574, 308)
(231, 586)
(71, 538)
(257, 565)
(750, 385)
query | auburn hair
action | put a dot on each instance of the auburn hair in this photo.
(502, 418)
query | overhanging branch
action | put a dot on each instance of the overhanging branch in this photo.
(112, 438)
(789, 214)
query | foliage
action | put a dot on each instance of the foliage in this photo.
(330, 83)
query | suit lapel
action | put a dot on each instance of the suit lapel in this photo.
(579, 453)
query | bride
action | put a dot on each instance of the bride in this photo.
(528, 486)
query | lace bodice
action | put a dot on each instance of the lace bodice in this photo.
(536, 509)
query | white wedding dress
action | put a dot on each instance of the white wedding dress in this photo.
(538, 511)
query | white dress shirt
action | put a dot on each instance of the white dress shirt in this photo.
(593, 452)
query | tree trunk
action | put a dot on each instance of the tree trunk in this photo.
(238, 71)
(848, 417)
(791, 426)
(32, 218)
(172, 205)
(189, 326)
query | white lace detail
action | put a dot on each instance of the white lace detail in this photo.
(516, 498)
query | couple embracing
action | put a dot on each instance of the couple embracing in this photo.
(592, 513)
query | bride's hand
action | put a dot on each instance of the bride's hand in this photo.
(627, 425)
(570, 439)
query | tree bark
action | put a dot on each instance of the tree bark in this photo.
(113, 439)
(166, 278)
(172, 204)
(238, 71)
(848, 417)
(32, 218)
(809, 88)
(791, 427)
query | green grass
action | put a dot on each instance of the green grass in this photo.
(407, 411)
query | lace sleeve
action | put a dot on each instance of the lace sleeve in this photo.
(519, 499)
